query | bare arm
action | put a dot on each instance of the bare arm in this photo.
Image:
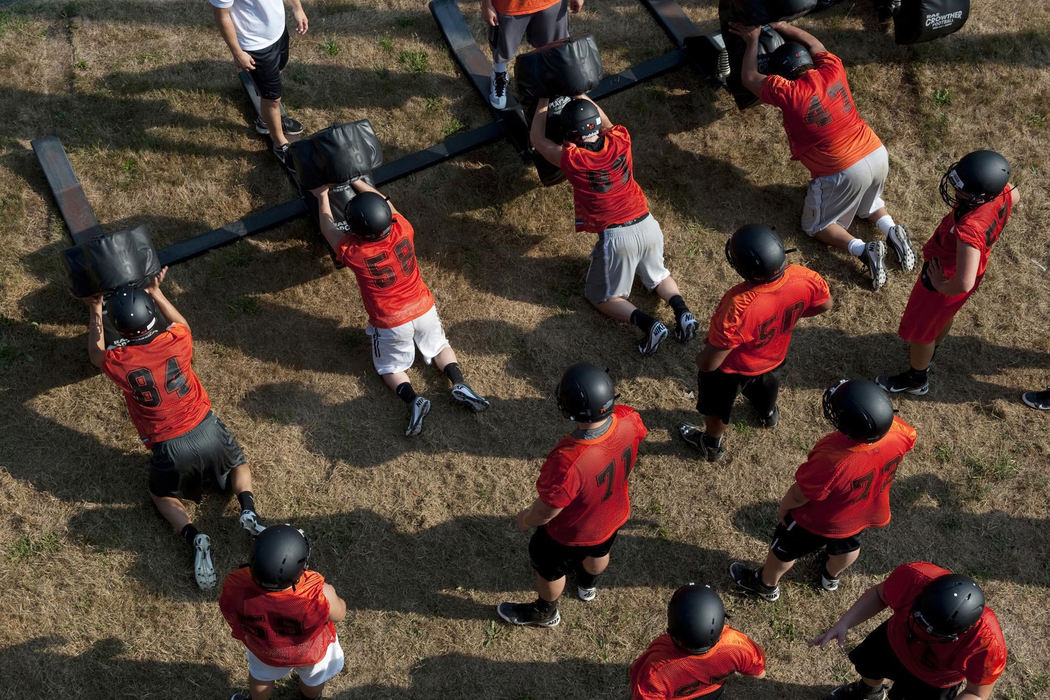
(243, 59)
(976, 692)
(538, 135)
(750, 78)
(711, 358)
(362, 186)
(301, 22)
(488, 13)
(96, 336)
(791, 500)
(165, 306)
(324, 217)
(539, 513)
(336, 605)
(867, 606)
(792, 33)
(819, 308)
(967, 260)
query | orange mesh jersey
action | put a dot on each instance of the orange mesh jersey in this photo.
(522, 7)
(283, 628)
(163, 395)
(588, 479)
(848, 482)
(977, 656)
(756, 321)
(603, 186)
(823, 128)
(392, 288)
(664, 671)
(978, 227)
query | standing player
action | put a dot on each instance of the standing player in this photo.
(171, 411)
(284, 614)
(583, 499)
(749, 334)
(597, 161)
(846, 160)
(939, 637)
(378, 244)
(978, 190)
(544, 21)
(255, 33)
(842, 488)
(698, 653)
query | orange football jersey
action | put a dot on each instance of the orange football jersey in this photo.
(163, 395)
(522, 7)
(979, 228)
(603, 186)
(823, 128)
(665, 672)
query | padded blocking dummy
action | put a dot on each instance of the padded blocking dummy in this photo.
(109, 261)
(337, 154)
(568, 67)
(916, 21)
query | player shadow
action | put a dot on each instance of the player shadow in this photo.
(97, 672)
(994, 545)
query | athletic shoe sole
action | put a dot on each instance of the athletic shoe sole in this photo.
(203, 568)
(685, 328)
(415, 426)
(466, 396)
(876, 263)
(899, 240)
(657, 334)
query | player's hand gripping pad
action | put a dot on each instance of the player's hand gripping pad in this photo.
(768, 41)
(337, 154)
(568, 67)
(110, 261)
(923, 20)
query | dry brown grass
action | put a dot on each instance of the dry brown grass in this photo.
(97, 598)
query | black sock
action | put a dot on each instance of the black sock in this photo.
(678, 304)
(642, 320)
(711, 441)
(247, 500)
(405, 392)
(189, 532)
(545, 607)
(585, 579)
(918, 374)
(453, 372)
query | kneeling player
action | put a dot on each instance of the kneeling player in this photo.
(941, 643)
(698, 653)
(749, 334)
(171, 411)
(978, 190)
(583, 498)
(596, 158)
(284, 614)
(378, 244)
(842, 488)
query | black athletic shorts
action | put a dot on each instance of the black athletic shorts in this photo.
(875, 658)
(793, 541)
(716, 392)
(269, 63)
(552, 559)
(181, 466)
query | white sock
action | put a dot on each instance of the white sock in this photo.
(885, 223)
(856, 247)
(499, 67)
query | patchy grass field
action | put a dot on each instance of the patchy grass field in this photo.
(98, 598)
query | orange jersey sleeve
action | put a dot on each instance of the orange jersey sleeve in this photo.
(388, 276)
(588, 480)
(823, 128)
(164, 397)
(756, 321)
(979, 228)
(603, 187)
(665, 671)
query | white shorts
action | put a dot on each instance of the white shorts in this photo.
(394, 349)
(839, 198)
(311, 676)
(621, 253)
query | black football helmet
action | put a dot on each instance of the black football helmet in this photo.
(859, 409)
(695, 618)
(132, 311)
(756, 253)
(369, 216)
(948, 606)
(978, 178)
(585, 393)
(790, 60)
(580, 120)
(279, 557)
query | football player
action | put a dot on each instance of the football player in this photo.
(847, 162)
(583, 496)
(841, 489)
(596, 159)
(697, 654)
(171, 411)
(749, 334)
(940, 643)
(284, 614)
(374, 240)
(978, 190)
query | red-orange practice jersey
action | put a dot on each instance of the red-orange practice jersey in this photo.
(522, 7)
(603, 186)
(848, 482)
(161, 390)
(666, 672)
(283, 628)
(978, 227)
(588, 480)
(823, 128)
(756, 320)
(977, 656)
(392, 288)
